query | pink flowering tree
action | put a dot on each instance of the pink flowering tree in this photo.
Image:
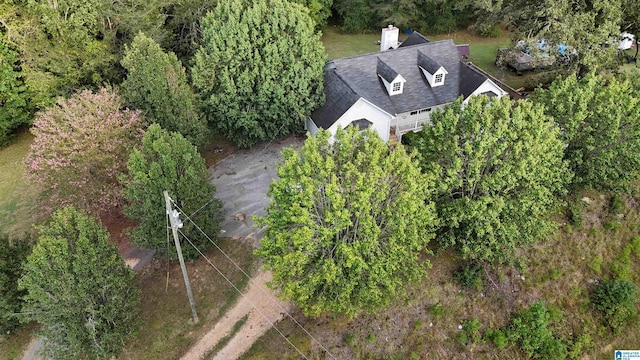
(80, 148)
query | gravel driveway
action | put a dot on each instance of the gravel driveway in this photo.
(242, 180)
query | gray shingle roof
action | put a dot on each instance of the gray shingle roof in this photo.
(338, 98)
(354, 77)
(472, 79)
(385, 71)
(427, 63)
(414, 39)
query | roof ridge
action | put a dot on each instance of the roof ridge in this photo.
(406, 48)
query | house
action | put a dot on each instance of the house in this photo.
(394, 91)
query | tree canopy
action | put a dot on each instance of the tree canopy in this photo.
(259, 69)
(590, 27)
(80, 148)
(79, 288)
(347, 223)
(167, 161)
(500, 167)
(156, 84)
(13, 253)
(599, 118)
(15, 105)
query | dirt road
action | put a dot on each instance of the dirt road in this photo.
(263, 309)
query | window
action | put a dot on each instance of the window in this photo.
(396, 86)
(361, 124)
(439, 78)
(425, 110)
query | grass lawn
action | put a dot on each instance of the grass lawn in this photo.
(482, 50)
(17, 197)
(562, 271)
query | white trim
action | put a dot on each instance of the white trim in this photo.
(487, 85)
(431, 78)
(389, 85)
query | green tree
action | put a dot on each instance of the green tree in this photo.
(599, 121)
(167, 161)
(356, 15)
(500, 167)
(319, 10)
(79, 288)
(13, 253)
(347, 223)
(67, 45)
(80, 148)
(259, 69)
(589, 26)
(15, 107)
(184, 20)
(156, 84)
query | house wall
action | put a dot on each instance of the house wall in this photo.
(363, 109)
(310, 126)
(488, 85)
(406, 122)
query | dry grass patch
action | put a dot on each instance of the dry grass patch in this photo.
(562, 271)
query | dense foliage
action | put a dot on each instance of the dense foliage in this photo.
(80, 148)
(156, 84)
(67, 45)
(15, 105)
(13, 253)
(259, 69)
(599, 119)
(616, 300)
(426, 16)
(79, 289)
(167, 161)
(319, 10)
(347, 223)
(591, 27)
(530, 329)
(500, 168)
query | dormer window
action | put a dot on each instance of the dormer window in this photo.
(391, 80)
(433, 72)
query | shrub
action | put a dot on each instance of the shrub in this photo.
(469, 275)
(616, 204)
(574, 213)
(616, 300)
(497, 336)
(621, 266)
(530, 329)
(472, 328)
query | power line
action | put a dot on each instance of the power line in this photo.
(244, 296)
(249, 277)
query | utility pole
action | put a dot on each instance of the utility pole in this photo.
(174, 218)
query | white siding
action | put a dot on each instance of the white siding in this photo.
(363, 109)
(488, 85)
(406, 122)
(311, 127)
